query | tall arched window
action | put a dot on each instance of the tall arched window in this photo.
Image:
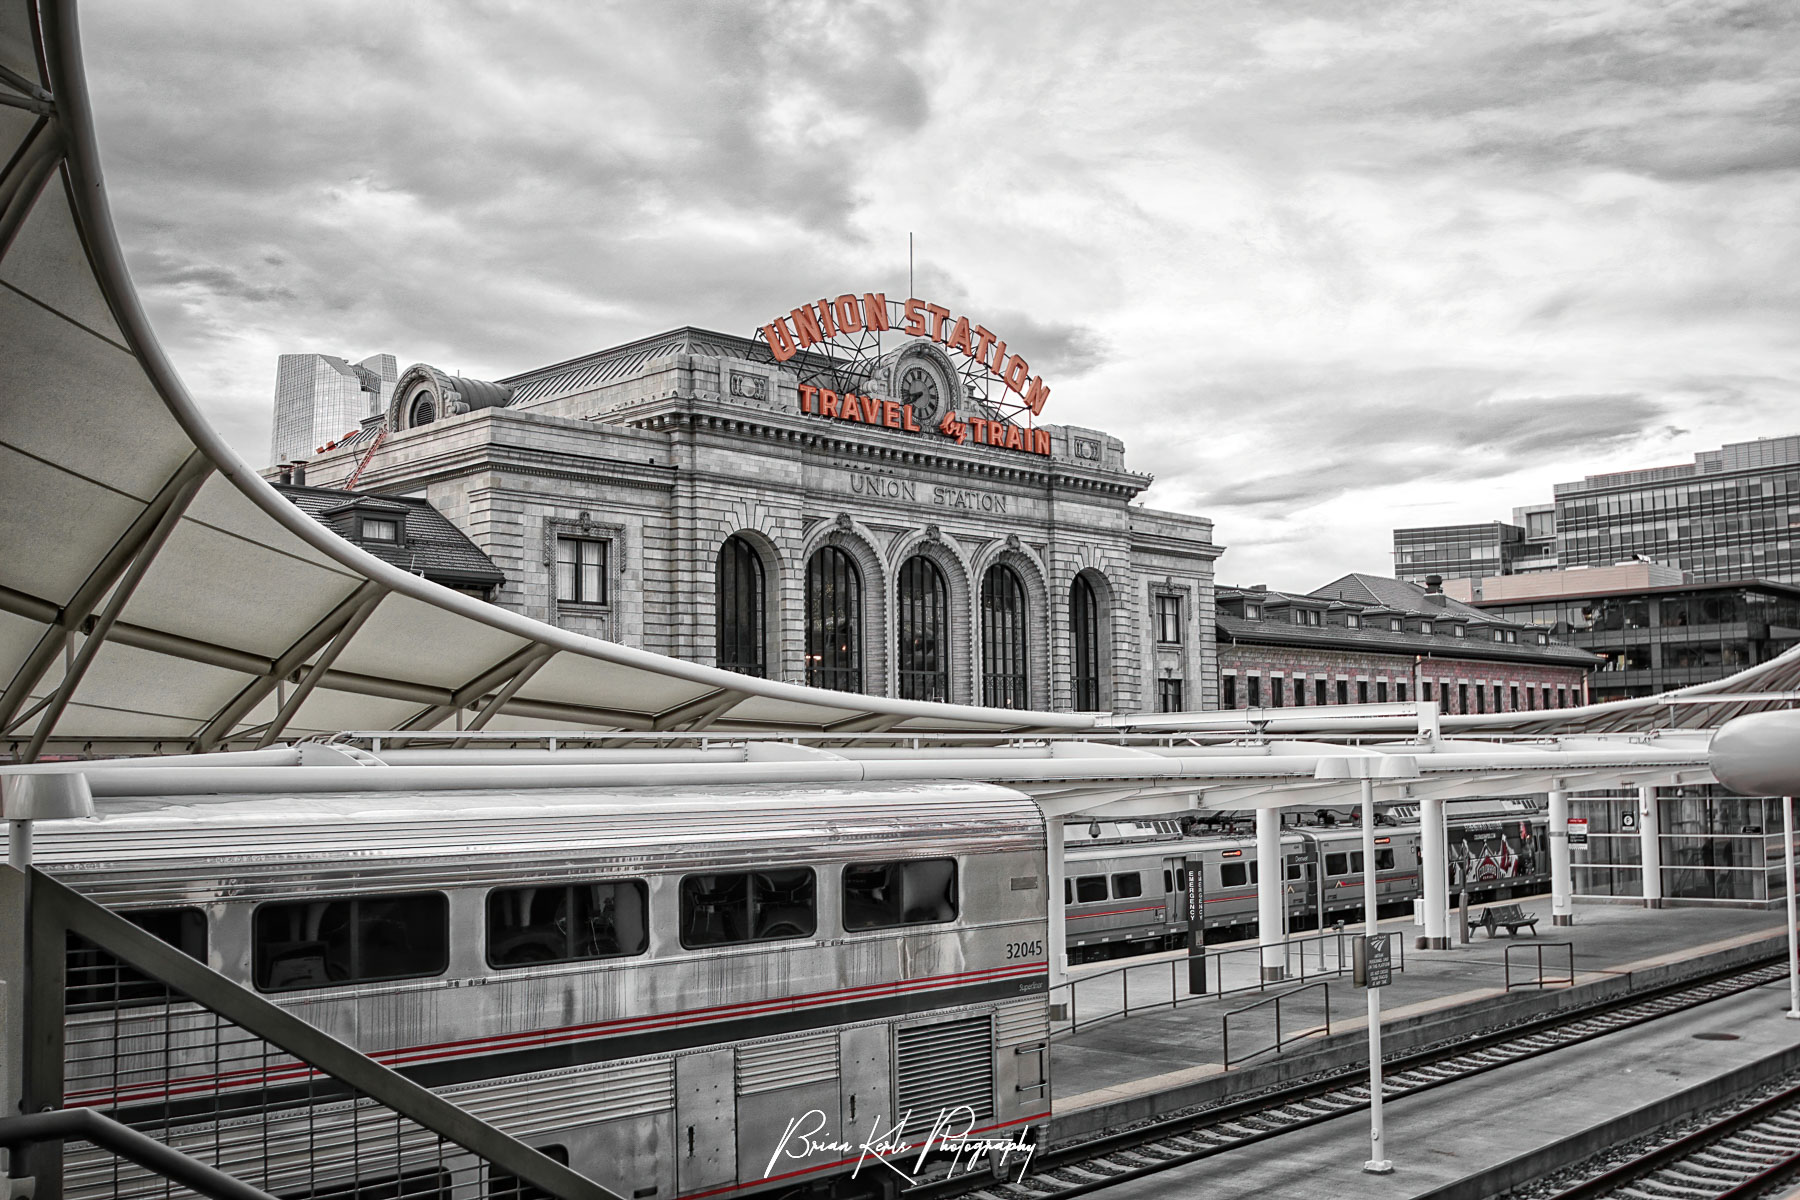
(1003, 659)
(1084, 633)
(833, 621)
(740, 608)
(924, 649)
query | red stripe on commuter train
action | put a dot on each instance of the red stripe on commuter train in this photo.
(1112, 912)
(413, 1055)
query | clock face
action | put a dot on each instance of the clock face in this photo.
(919, 388)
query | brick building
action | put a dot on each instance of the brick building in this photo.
(1364, 639)
(877, 523)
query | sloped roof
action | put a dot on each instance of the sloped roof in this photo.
(1402, 596)
(433, 546)
(1374, 639)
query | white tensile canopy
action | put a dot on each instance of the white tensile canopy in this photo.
(157, 595)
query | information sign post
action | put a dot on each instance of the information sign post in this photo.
(1578, 829)
(1196, 929)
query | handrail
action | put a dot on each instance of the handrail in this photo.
(1225, 1021)
(1540, 981)
(1295, 949)
(86, 1125)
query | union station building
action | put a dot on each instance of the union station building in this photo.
(860, 498)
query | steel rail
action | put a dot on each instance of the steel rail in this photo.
(1145, 1150)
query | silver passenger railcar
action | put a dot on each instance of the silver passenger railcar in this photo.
(649, 984)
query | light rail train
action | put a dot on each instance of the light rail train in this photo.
(1127, 894)
(648, 984)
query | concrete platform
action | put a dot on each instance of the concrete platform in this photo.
(1440, 1137)
(1130, 1067)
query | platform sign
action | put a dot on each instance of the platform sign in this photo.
(1578, 831)
(1374, 960)
(1628, 820)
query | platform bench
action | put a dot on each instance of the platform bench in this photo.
(1509, 915)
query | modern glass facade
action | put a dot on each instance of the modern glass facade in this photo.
(1714, 846)
(1669, 637)
(1455, 551)
(319, 398)
(1732, 513)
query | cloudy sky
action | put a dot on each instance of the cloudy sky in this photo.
(1327, 268)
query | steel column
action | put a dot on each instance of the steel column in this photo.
(1269, 886)
(1058, 948)
(1650, 845)
(1793, 929)
(1434, 874)
(1562, 909)
(1378, 1163)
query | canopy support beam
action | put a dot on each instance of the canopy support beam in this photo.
(508, 690)
(149, 539)
(508, 668)
(320, 666)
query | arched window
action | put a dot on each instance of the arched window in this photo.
(1003, 660)
(924, 650)
(424, 409)
(1084, 633)
(833, 621)
(740, 608)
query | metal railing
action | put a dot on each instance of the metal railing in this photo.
(154, 1046)
(1281, 1038)
(1142, 987)
(1540, 980)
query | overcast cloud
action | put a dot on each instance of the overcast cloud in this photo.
(1326, 268)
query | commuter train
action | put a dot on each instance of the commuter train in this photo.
(648, 984)
(1126, 893)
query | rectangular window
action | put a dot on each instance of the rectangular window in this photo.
(1233, 874)
(1362, 691)
(327, 943)
(886, 894)
(1515, 697)
(554, 923)
(1356, 862)
(1320, 691)
(1425, 690)
(1127, 885)
(1090, 889)
(1546, 703)
(1255, 689)
(1337, 864)
(380, 529)
(1293, 868)
(580, 570)
(1480, 699)
(1228, 693)
(1343, 691)
(1299, 692)
(748, 906)
(1169, 699)
(1277, 692)
(95, 979)
(1384, 859)
(1462, 697)
(1168, 880)
(1562, 697)
(1168, 620)
(1400, 692)
(1381, 691)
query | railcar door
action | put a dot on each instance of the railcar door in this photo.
(705, 1120)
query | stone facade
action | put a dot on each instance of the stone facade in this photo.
(665, 448)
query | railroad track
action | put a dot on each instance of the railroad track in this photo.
(1175, 1141)
(1738, 1155)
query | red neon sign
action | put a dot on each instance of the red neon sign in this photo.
(815, 324)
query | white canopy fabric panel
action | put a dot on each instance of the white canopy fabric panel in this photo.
(155, 593)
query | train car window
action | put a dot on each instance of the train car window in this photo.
(1126, 886)
(886, 894)
(324, 943)
(1337, 864)
(1293, 869)
(1181, 879)
(1168, 880)
(1090, 889)
(1068, 891)
(556, 923)
(1255, 877)
(748, 906)
(1233, 874)
(95, 979)
(1384, 859)
(1356, 862)
(504, 1185)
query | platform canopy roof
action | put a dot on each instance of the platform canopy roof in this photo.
(157, 595)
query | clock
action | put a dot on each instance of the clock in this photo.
(919, 387)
